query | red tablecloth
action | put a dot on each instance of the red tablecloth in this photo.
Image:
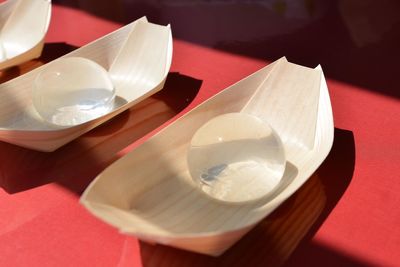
(45, 225)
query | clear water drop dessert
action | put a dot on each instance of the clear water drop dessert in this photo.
(72, 91)
(236, 157)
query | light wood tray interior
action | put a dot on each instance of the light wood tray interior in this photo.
(138, 57)
(149, 192)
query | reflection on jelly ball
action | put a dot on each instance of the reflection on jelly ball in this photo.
(73, 90)
(236, 157)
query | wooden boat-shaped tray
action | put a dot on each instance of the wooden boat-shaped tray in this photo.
(24, 24)
(138, 58)
(149, 192)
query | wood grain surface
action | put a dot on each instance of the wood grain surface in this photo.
(270, 243)
(20, 124)
(96, 149)
(150, 194)
(24, 26)
(282, 230)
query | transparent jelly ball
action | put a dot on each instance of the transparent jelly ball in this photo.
(236, 157)
(73, 90)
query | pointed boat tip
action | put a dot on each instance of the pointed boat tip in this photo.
(82, 200)
(283, 59)
(320, 71)
(83, 197)
(144, 19)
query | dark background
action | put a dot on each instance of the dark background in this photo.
(355, 41)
